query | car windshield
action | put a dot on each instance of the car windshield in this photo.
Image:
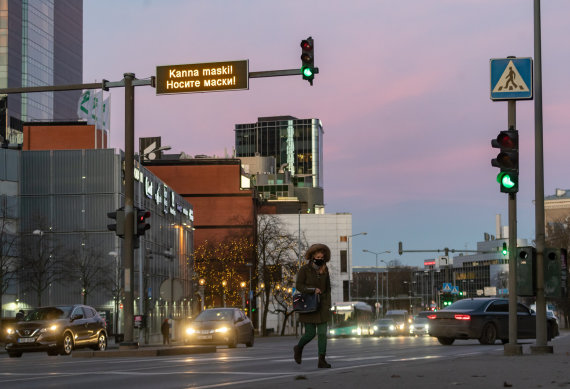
(385, 321)
(215, 315)
(421, 320)
(466, 304)
(48, 313)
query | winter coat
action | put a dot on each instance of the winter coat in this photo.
(165, 328)
(307, 280)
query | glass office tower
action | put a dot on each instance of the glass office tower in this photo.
(41, 43)
(296, 144)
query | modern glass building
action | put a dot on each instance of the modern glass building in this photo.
(296, 144)
(64, 197)
(41, 43)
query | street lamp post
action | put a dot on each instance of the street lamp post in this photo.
(376, 271)
(243, 286)
(201, 286)
(349, 263)
(250, 295)
(224, 284)
(116, 289)
(387, 285)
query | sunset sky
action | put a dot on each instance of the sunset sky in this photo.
(403, 94)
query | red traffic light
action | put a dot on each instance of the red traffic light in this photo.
(306, 45)
(506, 140)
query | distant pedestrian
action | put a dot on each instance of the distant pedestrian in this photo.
(313, 277)
(165, 329)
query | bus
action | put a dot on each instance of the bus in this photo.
(351, 318)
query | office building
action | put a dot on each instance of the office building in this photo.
(297, 148)
(41, 43)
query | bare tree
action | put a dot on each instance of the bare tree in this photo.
(277, 253)
(8, 250)
(42, 263)
(88, 267)
(558, 235)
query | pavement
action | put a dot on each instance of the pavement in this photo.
(477, 371)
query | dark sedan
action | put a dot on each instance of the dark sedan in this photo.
(220, 326)
(485, 319)
(57, 330)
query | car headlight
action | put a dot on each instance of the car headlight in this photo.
(401, 326)
(375, 328)
(331, 332)
(190, 331)
(392, 328)
(426, 326)
(51, 328)
(9, 331)
(222, 329)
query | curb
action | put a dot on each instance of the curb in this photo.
(145, 352)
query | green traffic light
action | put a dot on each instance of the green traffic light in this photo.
(507, 182)
(307, 72)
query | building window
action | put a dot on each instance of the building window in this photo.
(345, 286)
(343, 261)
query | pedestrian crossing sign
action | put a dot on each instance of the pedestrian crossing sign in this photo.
(446, 287)
(511, 79)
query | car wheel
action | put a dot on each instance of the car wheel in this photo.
(101, 343)
(15, 354)
(445, 341)
(233, 341)
(251, 340)
(66, 344)
(489, 334)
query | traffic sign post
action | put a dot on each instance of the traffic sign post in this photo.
(511, 80)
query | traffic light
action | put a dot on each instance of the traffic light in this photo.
(141, 224)
(119, 225)
(253, 304)
(507, 160)
(400, 248)
(308, 59)
(505, 249)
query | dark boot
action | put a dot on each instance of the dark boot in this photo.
(298, 353)
(322, 362)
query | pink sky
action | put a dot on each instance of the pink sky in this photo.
(403, 94)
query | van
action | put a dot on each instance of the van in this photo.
(401, 317)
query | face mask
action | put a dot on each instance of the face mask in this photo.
(319, 262)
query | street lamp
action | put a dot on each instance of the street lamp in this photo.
(250, 265)
(224, 284)
(387, 285)
(376, 254)
(349, 264)
(201, 285)
(242, 285)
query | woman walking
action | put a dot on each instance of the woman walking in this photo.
(313, 277)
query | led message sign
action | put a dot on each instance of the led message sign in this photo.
(202, 77)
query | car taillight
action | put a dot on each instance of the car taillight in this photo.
(462, 317)
(431, 317)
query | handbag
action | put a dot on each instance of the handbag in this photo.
(306, 303)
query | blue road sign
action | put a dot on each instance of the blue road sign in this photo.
(511, 79)
(455, 290)
(446, 287)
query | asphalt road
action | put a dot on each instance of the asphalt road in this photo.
(377, 362)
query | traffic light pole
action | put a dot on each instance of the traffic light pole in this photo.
(512, 348)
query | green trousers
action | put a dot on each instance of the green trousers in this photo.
(312, 329)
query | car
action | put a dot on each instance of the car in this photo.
(57, 330)
(485, 319)
(220, 326)
(400, 316)
(384, 327)
(419, 326)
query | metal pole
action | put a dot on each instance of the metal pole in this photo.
(128, 252)
(349, 268)
(541, 342)
(512, 348)
(377, 286)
